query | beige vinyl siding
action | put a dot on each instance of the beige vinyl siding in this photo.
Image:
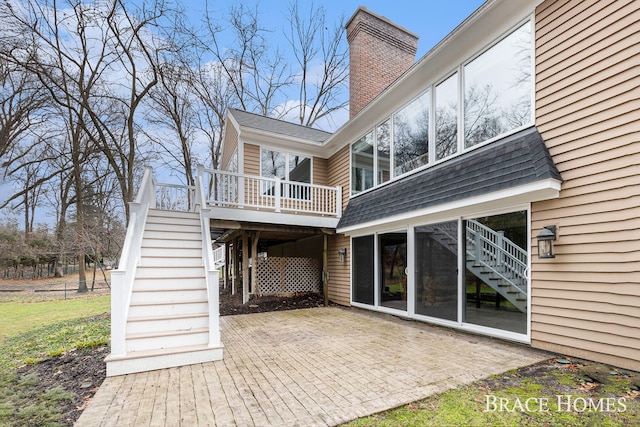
(320, 171)
(586, 302)
(229, 146)
(338, 167)
(251, 159)
(339, 281)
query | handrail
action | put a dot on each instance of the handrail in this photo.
(232, 189)
(211, 273)
(122, 278)
(492, 249)
(219, 255)
(175, 197)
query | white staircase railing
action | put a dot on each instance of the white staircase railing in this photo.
(175, 197)
(211, 273)
(499, 257)
(229, 189)
(122, 278)
(219, 256)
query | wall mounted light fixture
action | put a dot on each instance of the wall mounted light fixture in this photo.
(342, 253)
(545, 242)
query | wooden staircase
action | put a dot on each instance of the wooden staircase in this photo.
(168, 316)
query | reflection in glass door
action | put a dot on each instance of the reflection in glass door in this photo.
(393, 262)
(496, 260)
(437, 270)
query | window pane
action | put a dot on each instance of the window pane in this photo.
(437, 270)
(362, 164)
(496, 260)
(272, 164)
(497, 88)
(383, 145)
(299, 168)
(447, 117)
(363, 280)
(411, 135)
(393, 262)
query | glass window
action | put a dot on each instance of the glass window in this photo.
(287, 166)
(362, 164)
(446, 116)
(273, 164)
(393, 263)
(496, 261)
(363, 279)
(411, 135)
(299, 168)
(437, 270)
(497, 88)
(383, 146)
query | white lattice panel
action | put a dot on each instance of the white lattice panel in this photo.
(284, 275)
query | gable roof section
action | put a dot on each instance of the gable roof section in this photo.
(518, 159)
(276, 126)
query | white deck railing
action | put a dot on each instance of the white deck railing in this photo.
(229, 189)
(492, 249)
(122, 278)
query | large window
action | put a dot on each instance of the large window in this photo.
(287, 166)
(447, 117)
(362, 164)
(497, 88)
(411, 135)
(480, 100)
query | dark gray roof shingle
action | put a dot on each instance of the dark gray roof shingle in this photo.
(268, 124)
(517, 159)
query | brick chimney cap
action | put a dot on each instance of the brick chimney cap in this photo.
(382, 18)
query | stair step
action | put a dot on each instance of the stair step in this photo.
(168, 296)
(159, 252)
(168, 260)
(171, 244)
(170, 308)
(147, 360)
(163, 226)
(166, 339)
(193, 234)
(168, 284)
(158, 324)
(169, 272)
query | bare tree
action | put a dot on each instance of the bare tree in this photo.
(174, 109)
(21, 99)
(256, 72)
(322, 62)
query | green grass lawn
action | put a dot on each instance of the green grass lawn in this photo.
(21, 317)
(32, 332)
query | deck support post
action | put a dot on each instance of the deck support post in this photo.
(254, 261)
(245, 267)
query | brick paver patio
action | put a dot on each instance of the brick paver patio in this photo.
(312, 367)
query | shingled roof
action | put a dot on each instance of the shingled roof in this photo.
(267, 124)
(518, 159)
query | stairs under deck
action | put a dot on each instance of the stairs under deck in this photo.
(168, 317)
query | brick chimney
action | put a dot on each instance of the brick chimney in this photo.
(379, 52)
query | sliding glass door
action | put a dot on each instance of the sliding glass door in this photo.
(392, 251)
(436, 249)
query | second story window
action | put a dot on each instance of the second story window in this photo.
(479, 100)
